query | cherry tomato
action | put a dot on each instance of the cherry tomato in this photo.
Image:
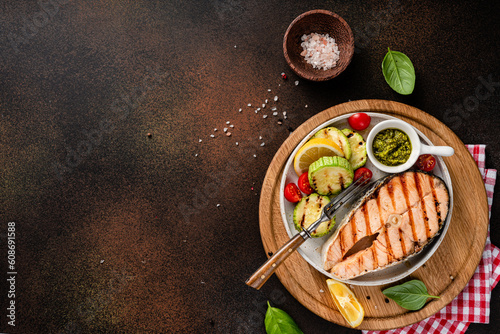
(292, 193)
(364, 173)
(359, 121)
(426, 162)
(304, 185)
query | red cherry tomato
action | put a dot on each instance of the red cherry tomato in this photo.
(304, 185)
(359, 121)
(426, 162)
(292, 193)
(364, 173)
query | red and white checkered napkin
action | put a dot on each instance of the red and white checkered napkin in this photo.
(473, 303)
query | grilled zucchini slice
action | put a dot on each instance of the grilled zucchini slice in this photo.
(358, 148)
(308, 210)
(338, 137)
(330, 175)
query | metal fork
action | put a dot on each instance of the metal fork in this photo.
(262, 274)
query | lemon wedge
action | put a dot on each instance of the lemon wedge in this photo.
(346, 302)
(312, 151)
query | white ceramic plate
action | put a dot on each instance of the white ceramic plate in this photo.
(311, 249)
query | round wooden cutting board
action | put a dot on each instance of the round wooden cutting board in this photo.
(445, 274)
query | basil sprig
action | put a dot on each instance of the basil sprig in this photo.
(279, 322)
(399, 72)
(411, 295)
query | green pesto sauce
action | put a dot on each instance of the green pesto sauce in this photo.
(391, 147)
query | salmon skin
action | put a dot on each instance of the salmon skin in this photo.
(399, 216)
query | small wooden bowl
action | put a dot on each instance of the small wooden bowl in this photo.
(321, 22)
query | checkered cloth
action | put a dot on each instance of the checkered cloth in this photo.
(473, 303)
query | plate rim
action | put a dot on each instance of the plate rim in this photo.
(425, 256)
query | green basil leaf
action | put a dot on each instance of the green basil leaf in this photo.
(411, 295)
(279, 322)
(399, 72)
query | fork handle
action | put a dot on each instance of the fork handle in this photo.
(265, 271)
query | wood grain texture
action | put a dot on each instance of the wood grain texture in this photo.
(445, 274)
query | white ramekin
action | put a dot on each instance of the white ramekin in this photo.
(417, 148)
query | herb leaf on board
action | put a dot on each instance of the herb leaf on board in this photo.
(411, 295)
(399, 72)
(279, 322)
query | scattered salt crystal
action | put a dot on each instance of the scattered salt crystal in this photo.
(296, 82)
(274, 108)
(215, 129)
(276, 98)
(258, 109)
(275, 113)
(263, 105)
(285, 117)
(231, 126)
(249, 105)
(228, 122)
(237, 143)
(306, 105)
(218, 205)
(266, 101)
(212, 136)
(240, 110)
(321, 290)
(284, 112)
(255, 155)
(260, 137)
(196, 155)
(235, 46)
(102, 261)
(228, 134)
(264, 116)
(225, 129)
(199, 140)
(262, 144)
(269, 90)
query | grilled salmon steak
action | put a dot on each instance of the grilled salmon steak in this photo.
(396, 219)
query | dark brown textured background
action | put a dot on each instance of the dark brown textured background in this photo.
(121, 232)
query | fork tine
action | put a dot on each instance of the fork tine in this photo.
(356, 187)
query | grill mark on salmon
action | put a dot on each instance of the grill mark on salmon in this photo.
(367, 222)
(381, 220)
(406, 192)
(401, 214)
(420, 190)
(375, 259)
(354, 230)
